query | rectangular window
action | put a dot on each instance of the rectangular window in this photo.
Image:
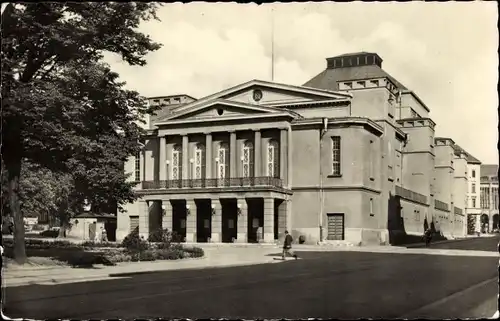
(473, 188)
(473, 173)
(336, 155)
(371, 207)
(137, 172)
(134, 222)
(372, 162)
(473, 202)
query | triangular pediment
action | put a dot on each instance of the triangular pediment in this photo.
(262, 93)
(223, 109)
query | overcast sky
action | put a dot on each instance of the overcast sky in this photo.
(446, 52)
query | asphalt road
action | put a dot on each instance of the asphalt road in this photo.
(321, 285)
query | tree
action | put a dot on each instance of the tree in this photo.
(52, 115)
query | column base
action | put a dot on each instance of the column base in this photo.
(190, 237)
(215, 237)
(241, 238)
(268, 238)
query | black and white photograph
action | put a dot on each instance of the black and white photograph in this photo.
(244, 160)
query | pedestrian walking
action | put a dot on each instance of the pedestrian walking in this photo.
(287, 246)
(428, 237)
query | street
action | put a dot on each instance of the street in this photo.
(320, 285)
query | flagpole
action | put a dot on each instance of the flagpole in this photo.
(272, 44)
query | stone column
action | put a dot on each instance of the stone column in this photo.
(163, 158)
(168, 162)
(289, 158)
(242, 224)
(268, 220)
(185, 157)
(208, 155)
(143, 208)
(232, 154)
(216, 235)
(191, 221)
(283, 154)
(166, 219)
(282, 219)
(257, 154)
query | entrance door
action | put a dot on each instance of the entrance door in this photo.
(92, 228)
(335, 226)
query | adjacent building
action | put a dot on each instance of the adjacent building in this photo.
(350, 155)
(489, 219)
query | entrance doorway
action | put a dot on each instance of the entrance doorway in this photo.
(485, 222)
(229, 220)
(335, 226)
(203, 220)
(255, 219)
(179, 219)
(495, 223)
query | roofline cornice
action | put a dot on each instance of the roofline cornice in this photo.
(298, 123)
(284, 114)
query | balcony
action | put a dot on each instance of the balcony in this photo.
(441, 205)
(411, 195)
(213, 183)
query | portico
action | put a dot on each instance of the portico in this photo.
(230, 217)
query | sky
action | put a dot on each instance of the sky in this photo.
(444, 51)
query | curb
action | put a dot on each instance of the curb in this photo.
(189, 269)
(417, 245)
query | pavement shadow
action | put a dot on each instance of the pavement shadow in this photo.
(75, 257)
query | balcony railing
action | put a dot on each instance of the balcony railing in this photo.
(213, 183)
(458, 211)
(441, 205)
(411, 195)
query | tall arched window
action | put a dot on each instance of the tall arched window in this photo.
(199, 161)
(273, 159)
(223, 166)
(177, 162)
(248, 159)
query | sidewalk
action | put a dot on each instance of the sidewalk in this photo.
(214, 258)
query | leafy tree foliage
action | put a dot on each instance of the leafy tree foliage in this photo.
(62, 108)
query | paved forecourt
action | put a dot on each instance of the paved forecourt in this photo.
(339, 284)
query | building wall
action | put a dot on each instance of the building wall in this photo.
(360, 156)
(413, 215)
(444, 171)
(473, 180)
(80, 230)
(370, 103)
(460, 183)
(409, 101)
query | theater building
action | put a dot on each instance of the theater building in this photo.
(349, 156)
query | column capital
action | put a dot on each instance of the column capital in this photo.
(231, 131)
(207, 133)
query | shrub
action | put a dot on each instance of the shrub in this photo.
(116, 257)
(160, 236)
(100, 244)
(134, 243)
(194, 251)
(50, 233)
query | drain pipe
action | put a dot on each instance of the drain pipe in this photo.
(321, 196)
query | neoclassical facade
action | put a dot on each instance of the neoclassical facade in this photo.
(351, 155)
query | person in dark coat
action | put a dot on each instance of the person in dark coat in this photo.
(428, 237)
(287, 246)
